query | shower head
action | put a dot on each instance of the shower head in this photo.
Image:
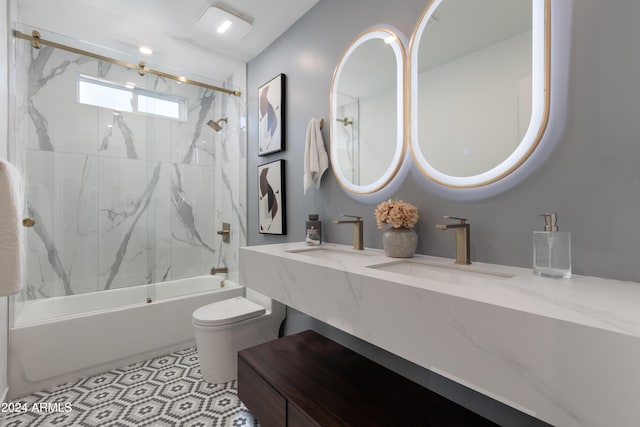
(216, 125)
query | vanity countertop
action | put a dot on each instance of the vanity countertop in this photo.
(562, 350)
(591, 301)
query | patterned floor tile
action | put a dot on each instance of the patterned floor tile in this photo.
(100, 396)
(145, 411)
(164, 361)
(101, 415)
(177, 388)
(166, 391)
(185, 407)
(98, 381)
(170, 373)
(140, 392)
(135, 377)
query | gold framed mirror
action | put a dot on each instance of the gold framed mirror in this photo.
(480, 89)
(367, 113)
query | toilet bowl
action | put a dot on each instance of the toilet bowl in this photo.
(225, 327)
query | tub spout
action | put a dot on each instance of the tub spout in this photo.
(215, 270)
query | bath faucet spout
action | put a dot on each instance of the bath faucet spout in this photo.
(215, 270)
(463, 231)
(358, 238)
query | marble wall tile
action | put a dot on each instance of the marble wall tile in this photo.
(194, 141)
(129, 192)
(230, 175)
(160, 136)
(122, 135)
(129, 199)
(62, 198)
(192, 227)
(59, 122)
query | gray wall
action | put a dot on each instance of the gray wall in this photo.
(592, 179)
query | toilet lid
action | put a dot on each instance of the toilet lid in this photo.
(227, 311)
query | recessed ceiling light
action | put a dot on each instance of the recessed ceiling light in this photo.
(227, 24)
(224, 26)
(145, 50)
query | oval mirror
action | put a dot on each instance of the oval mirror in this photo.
(367, 105)
(479, 88)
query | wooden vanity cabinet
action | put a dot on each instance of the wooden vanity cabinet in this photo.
(308, 380)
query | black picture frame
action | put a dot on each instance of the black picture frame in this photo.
(271, 115)
(272, 217)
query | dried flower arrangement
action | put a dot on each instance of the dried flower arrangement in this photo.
(397, 213)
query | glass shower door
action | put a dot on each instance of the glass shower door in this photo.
(124, 178)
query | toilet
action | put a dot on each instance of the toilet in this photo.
(225, 327)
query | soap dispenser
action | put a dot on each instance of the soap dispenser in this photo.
(314, 230)
(551, 249)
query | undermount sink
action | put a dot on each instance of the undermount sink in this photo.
(330, 254)
(453, 273)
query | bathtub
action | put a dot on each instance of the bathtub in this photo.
(56, 340)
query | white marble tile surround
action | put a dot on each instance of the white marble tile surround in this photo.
(130, 199)
(565, 351)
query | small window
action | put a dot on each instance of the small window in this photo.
(114, 96)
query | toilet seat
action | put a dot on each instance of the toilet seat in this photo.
(227, 312)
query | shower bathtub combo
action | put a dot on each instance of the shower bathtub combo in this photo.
(53, 342)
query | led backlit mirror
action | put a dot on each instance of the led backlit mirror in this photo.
(479, 89)
(367, 104)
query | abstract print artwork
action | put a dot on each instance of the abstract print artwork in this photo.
(271, 209)
(271, 115)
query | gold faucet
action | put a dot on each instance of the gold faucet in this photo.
(463, 252)
(357, 230)
(219, 270)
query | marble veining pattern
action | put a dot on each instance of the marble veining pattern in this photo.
(184, 212)
(205, 103)
(140, 208)
(52, 253)
(564, 351)
(123, 199)
(517, 367)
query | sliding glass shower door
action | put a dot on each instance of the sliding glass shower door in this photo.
(126, 182)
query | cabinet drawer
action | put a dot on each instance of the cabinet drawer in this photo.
(297, 418)
(264, 402)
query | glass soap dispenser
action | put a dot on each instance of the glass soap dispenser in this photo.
(551, 249)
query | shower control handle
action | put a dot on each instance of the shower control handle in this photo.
(225, 232)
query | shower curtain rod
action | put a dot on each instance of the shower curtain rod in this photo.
(36, 41)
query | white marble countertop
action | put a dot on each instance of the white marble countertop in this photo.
(563, 350)
(591, 301)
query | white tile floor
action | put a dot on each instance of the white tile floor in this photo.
(166, 391)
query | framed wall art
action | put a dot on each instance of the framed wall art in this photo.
(271, 198)
(271, 114)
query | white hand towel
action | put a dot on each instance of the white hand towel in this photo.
(315, 156)
(11, 243)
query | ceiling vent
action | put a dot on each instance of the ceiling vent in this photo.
(224, 22)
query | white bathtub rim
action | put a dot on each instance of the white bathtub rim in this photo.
(96, 343)
(18, 323)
